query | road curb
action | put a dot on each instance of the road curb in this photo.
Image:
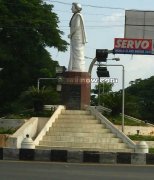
(73, 156)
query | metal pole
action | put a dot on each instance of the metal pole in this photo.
(123, 91)
(103, 94)
(123, 97)
(99, 88)
(38, 81)
(38, 84)
(123, 82)
(99, 91)
(91, 65)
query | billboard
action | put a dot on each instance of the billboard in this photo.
(138, 35)
(133, 46)
(139, 24)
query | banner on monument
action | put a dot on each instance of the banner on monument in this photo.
(133, 46)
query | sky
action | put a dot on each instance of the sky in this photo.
(104, 21)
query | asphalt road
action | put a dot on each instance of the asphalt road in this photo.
(13, 170)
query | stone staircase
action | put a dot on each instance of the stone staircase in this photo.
(79, 130)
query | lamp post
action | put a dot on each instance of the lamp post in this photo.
(123, 91)
(123, 82)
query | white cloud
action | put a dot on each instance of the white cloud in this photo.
(139, 67)
(114, 19)
(141, 64)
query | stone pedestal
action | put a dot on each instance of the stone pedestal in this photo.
(76, 90)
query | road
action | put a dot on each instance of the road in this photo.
(16, 170)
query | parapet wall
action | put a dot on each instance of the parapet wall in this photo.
(30, 127)
(141, 130)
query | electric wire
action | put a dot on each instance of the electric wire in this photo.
(88, 5)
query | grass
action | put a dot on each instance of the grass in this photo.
(141, 137)
(29, 114)
(117, 120)
(151, 150)
(24, 115)
(7, 131)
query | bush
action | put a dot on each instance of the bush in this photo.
(7, 131)
(141, 138)
(36, 99)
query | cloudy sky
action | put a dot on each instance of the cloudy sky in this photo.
(104, 21)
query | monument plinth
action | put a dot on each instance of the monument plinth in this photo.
(76, 90)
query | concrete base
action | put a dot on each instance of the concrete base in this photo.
(76, 90)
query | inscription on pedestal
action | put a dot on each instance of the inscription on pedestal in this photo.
(74, 98)
(76, 90)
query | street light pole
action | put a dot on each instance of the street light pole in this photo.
(123, 91)
(123, 97)
(99, 89)
(123, 86)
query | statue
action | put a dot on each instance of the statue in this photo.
(77, 40)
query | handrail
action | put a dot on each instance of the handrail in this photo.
(49, 124)
(109, 125)
(102, 108)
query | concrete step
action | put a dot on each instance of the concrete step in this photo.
(77, 129)
(78, 112)
(83, 149)
(82, 134)
(77, 125)
(84, 145)
(82, 117)
(81, 139)
(83, 121)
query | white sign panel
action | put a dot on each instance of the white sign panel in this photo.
(139, 25)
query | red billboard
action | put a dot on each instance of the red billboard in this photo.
(132, 46)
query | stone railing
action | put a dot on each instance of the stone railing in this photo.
(110, 126)
(48, 124)
(29, 127)
(138, 120)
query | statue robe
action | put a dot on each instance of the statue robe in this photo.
(77, 43)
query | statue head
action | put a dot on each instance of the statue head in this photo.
(76, 7)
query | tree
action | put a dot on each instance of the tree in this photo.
(26, 29)
(143, 91)
(105, 88)
(36, 99)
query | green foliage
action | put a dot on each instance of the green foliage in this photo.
(151, 150)
(139, 99)
(34, 98)
(30, 113)
(108, 98)
(26, 29)
(117, 120)
(7, 131)
(105, 87)
(141, 138)
(143, 91)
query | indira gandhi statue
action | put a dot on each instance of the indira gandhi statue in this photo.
(77, 40)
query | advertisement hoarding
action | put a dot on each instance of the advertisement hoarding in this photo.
(139, 24)
(133, 46)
